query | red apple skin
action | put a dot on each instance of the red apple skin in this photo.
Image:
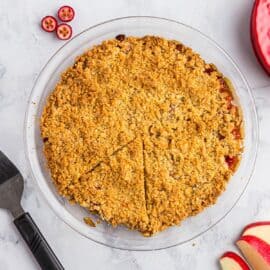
(260, 230)
(259, 246)
(256, 224)
(254, 38)
(237, 259)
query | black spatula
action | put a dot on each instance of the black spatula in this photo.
(11, 188)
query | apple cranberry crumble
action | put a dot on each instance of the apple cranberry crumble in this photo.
(143, 132)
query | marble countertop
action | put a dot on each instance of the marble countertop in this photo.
(24, 49)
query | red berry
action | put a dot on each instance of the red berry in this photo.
(260, 32)
(229, 99)
(64, 31)
(231, 161)
(48, 23)
(66, 13)
(236, 133)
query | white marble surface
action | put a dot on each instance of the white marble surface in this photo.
(24, 49)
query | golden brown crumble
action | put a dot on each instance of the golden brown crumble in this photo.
(142, 132)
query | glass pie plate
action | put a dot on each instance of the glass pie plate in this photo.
(121, 237)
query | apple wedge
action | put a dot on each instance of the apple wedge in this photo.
(256, 252)
(232, 261)
(260, 230)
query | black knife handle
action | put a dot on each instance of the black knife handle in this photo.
(37, 243)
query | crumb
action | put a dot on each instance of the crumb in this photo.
(89, 222)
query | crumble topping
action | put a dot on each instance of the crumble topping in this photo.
(143, 132)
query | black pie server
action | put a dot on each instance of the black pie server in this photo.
(11, 189)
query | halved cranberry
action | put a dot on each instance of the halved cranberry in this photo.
(48, 23)
(64, 31)
(66, 13)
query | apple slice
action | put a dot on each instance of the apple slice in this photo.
(256, 251)
(260, 32)
(232, 261)
(260, 230)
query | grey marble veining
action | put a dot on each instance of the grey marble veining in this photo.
(24, 49)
